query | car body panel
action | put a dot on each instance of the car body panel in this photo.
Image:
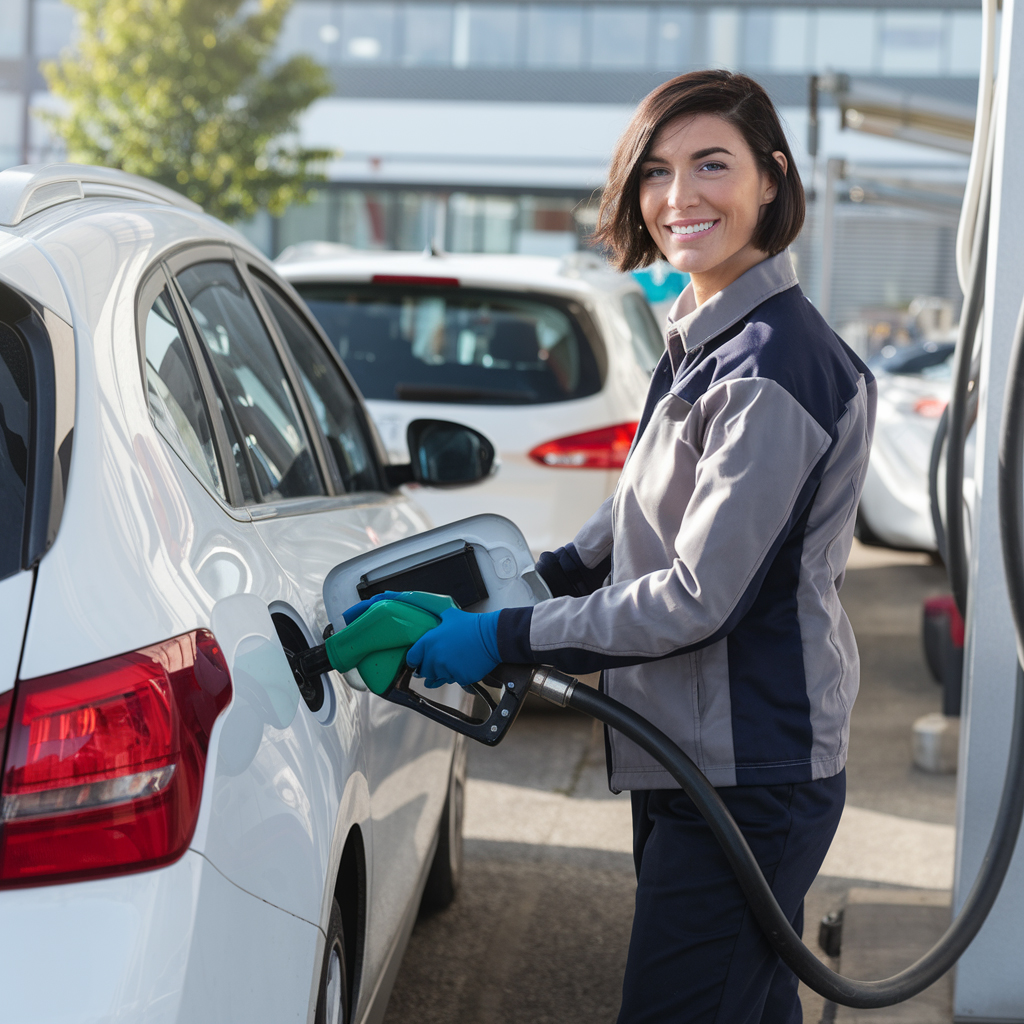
(178, 944)
(15, 599)
(25, 268)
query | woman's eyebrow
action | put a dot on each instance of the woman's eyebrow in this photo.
(701, 153)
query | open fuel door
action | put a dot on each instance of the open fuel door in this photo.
(484, 564)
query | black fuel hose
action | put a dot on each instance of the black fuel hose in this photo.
(938, 524)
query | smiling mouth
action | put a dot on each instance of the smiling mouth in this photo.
(692, 229)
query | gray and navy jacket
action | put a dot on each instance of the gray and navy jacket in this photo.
(706, 587)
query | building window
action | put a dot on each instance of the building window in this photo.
(964, 43)
(53, 27)
(777, 40)
(428, 34)
(723, 50)
(12, 28)
(675, 42)
(487, 36)
(554, 36)
(312, 27)
(912, 42)
(619, 36)
(845, 40)
(368, 33)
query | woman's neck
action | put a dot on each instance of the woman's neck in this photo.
(708, 283)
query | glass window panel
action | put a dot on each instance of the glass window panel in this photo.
(465, 345)
(333, 404)
(254, 381)
(53, 27)
(428, 34)
(845, 40)
(619, 36)
(554, 36)
(912, 42)
(16, 445)
(312, 27)
(723, 37)
(492, 35)
(674, 38)
(12, 28)
(175, 397)
(788, 41)
(965, 43)
(368, 33)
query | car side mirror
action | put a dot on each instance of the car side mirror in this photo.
(443, 454)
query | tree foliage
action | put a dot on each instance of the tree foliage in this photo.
(184, 92)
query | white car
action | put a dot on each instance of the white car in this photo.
(913, 389)
(548, 358)
(186, 834)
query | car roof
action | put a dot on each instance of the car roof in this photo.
(576, 273)
(100, 228)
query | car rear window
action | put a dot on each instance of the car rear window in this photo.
(457, 345)
(15, 418)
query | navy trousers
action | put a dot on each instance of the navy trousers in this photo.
(696, 954)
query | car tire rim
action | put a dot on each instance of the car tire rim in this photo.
(333, 994)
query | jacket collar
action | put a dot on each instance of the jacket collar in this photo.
(690, 325)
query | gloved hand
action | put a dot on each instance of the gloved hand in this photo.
(463, 648)
(351, 614)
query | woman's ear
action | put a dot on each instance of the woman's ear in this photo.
(772, 190)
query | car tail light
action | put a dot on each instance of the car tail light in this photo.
(606, 448)
(930, 408)
(105, 763)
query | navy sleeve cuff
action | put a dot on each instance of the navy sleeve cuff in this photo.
(514, 636)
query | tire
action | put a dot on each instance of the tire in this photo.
(332, 999)
(446, 870)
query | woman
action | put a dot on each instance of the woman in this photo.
(706, 587)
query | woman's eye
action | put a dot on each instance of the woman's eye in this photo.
(655, 172)
(712, 165)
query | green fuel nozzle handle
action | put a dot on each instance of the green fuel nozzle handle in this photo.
(377, 642)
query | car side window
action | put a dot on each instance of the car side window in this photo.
(255, 384)
(175, 398)
(330, 397)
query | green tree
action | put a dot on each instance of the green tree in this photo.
(184, 92)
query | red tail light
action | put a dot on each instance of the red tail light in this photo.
(930, 408)
(105, 763)
(606, 448)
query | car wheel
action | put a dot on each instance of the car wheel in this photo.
(332, 1001)
(446, 871)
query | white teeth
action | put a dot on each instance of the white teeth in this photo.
(693, 228)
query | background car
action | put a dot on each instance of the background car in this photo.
(548, 358)
(913, 389)
(186, 834)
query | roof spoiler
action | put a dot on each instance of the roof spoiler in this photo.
(31, 188)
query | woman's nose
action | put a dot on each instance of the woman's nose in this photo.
(681, 195)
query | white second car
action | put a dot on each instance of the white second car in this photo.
(187, 834)
(550, 359)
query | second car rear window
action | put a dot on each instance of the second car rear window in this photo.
(456, 345)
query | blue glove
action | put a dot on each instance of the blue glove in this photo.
(462, 649)
(351, 614)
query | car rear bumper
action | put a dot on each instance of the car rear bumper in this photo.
(182, 944)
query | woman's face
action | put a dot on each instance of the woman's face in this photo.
(701, 193)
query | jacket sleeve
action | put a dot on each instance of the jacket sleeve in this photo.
(583, 565)
(756, 456)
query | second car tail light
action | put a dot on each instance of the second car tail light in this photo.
(930, 408)
(105, 763)
(605, 448)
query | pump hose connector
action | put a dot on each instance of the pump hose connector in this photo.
(553, 685)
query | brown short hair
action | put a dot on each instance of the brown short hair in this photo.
(748, 108)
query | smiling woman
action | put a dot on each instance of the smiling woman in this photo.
(705, 176)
